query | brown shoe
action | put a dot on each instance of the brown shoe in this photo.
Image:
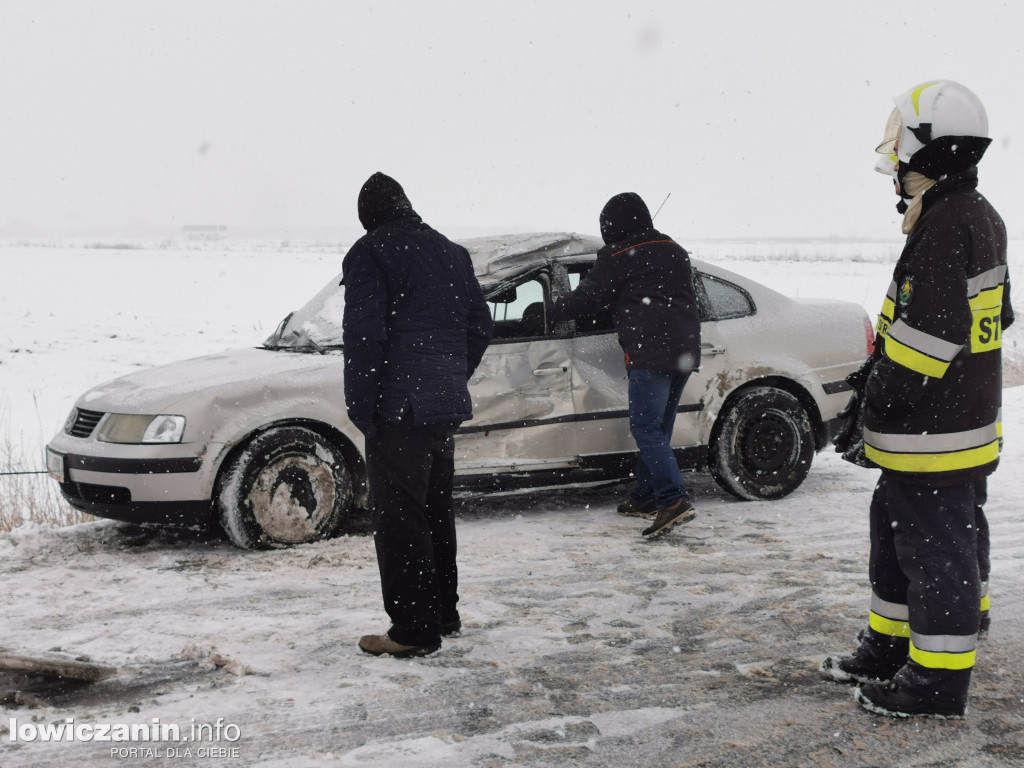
(633, 508)
(378, 645)
(680, 512)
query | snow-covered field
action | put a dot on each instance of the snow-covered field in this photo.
(582, 645)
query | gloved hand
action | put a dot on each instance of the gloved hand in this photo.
(850, 440)
(848, 435)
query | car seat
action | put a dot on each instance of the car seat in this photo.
(532, 323)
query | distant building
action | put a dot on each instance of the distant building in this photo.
(205, 232)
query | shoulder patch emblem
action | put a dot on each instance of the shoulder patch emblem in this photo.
(906, 291)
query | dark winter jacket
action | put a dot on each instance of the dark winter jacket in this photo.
(646, 279)
(415, 323)
(933, 397)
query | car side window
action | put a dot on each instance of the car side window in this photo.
(519, 311)
(721, 300)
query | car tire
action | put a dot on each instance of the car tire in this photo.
(763, 445)
(286, 486)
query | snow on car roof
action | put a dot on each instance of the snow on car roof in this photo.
(495, 255)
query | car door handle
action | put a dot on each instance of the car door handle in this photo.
(711, 349)
(550, 369)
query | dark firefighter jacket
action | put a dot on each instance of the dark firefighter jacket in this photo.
(415, 324)
(646, 279)
(933, 397)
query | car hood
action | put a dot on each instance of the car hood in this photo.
(156, 390)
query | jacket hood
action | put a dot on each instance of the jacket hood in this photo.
(624, 215)
(380, 200)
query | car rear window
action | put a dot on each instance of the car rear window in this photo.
(723, 300)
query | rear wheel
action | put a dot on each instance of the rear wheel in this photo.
(763, 445)
(287, 486)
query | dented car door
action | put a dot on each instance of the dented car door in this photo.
(522, 389)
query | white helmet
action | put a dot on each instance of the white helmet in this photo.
(937, 109)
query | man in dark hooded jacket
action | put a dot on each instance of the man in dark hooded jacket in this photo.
(415, 327)
(645, 277)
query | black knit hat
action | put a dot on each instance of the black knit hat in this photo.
(380, 200)
(623, 215)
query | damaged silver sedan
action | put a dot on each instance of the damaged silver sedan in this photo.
(258, 440)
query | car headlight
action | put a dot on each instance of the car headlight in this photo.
(131, 428)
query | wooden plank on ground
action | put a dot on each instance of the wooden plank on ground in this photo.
(54, 664)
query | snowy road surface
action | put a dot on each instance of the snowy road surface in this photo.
(583, 644)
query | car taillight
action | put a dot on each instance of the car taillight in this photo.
(869, 332)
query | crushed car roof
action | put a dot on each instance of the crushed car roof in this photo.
(495, 256)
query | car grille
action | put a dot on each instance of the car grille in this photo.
(85, 423)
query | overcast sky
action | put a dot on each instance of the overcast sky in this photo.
(760, 118)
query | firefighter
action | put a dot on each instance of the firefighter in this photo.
(931, 409)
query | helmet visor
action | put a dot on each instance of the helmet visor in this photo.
(893, 131)
(887, 164)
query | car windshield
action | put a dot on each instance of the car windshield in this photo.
(316, 326)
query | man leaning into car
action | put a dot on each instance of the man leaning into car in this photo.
(415, 327)
(646, 279)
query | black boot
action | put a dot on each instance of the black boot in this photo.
(451, 628)
(877, 658)
(918, 691)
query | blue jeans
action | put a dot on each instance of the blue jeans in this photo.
(653, 401)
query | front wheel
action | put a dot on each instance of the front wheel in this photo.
(287, 486)
(763, 445)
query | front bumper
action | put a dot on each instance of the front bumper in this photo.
(156, 484)
(108, 501)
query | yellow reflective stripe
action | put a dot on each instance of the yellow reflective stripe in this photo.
(887, 610)
(915, 96)
(888, 627)
(936, 442)
(914, 360)
(991, 298)
(983, 281)
(885, 317)
(925, 343)
(986, 603)
(888, 309)
(934, 462)
(986, 329)
(942, 660)
(986, 320)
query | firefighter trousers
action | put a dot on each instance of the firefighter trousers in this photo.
(924, 575)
